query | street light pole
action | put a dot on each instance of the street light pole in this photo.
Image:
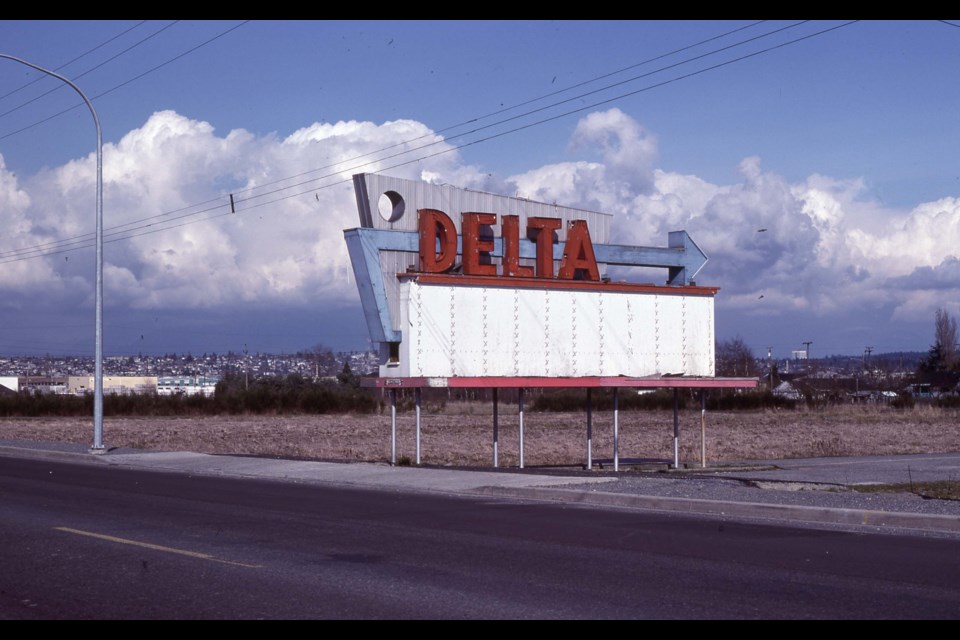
(98, 355)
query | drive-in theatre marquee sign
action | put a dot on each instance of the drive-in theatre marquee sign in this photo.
(456, 282)
(467, 288)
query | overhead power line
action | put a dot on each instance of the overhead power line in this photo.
(68, 63)
(94, 68)
(126, 82)
(128, 230)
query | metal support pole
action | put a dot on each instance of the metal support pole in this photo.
(703, 428)
(98, 348)
(589, 429)
(418, 423)
(616, 429)
(393, 427)
(521, 428)
(496, 430)
(676, 428)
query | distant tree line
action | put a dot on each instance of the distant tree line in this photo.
(938, 371)
(235, 394)
(941, 367)
(295, 394)
(568, 400)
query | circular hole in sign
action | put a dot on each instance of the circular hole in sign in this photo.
(390, 206)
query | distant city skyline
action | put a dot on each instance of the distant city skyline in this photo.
(812, 161)
(210, 365)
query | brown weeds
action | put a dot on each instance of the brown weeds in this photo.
(461, 434)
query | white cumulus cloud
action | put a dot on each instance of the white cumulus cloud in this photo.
(776, 248)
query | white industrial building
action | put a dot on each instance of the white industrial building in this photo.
(186, 385)
(79, 385)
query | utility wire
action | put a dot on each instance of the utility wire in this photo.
(437, 132)
(68, 242)
(67, 64)
(523, 115)
(77, 77)
(421, 158)
(442, 130)
(418, 159)
(536, 123)
(125, 83)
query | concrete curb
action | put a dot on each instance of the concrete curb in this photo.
(827, 515)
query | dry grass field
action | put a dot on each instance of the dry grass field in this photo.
(461, 434)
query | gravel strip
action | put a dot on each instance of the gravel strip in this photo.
(791, 493)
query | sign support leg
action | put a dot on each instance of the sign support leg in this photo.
(393, 427)
(616, 429)
(703, 428)
(418, 424)
(589, 429)
(496, 430)
(676, 428)
(521, 427)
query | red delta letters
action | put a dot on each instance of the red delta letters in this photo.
(438, 246)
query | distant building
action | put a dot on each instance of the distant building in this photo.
(921, 390)
(79, 385)
(43, 384)
(186, 385)
(872, 397)
(788, 391)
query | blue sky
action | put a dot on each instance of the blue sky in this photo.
(838, 138)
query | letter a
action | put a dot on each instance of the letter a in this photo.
(578, 256)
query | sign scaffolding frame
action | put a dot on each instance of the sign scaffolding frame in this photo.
(676, 383)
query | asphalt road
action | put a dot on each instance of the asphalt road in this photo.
(133, 535)
(818, 492)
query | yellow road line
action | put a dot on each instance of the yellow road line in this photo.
(155, 547)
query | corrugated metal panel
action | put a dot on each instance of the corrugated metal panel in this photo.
(492, 331)
(392, 263)
(455, 200)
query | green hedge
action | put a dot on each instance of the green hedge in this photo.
(570, 400)
(26, 404)
(235, 395)
(947, 402)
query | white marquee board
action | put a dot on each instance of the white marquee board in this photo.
(453, 330)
